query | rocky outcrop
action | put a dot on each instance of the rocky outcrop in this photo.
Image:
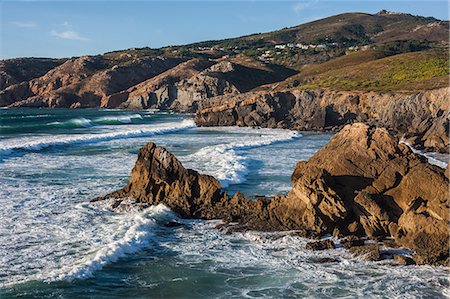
(182, 87)
(84, 81)
(158, 177)
(362, 183)
(423, 117)
(15, 71)
(158, 92)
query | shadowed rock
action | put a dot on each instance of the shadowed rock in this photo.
(320, 245)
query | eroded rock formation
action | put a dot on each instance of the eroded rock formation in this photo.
(134, 82)
(362, 183)
(182, 87)
(83, 82)
(423, 117)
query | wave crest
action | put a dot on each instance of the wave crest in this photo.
(227, 162)
(7, 147)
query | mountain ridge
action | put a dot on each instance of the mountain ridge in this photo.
(266, 60)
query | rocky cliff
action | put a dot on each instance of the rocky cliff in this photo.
(140, 83)
(182, 87)
(83, 81)
(15, 71)
(423, 117)
(362, 183)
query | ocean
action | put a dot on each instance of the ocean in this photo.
(54, 243)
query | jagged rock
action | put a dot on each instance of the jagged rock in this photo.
(320, 245)
(351, 241)
(367, 252)
(422, 115)
(362, 183)
(403, 260)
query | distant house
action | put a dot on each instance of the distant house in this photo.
(311, 46)
(302, 46)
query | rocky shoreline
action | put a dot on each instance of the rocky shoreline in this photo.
(363, 185)
(421, 117)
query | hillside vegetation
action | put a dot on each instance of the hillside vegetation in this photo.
(408, 71)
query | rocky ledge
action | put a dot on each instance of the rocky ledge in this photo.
(362, 184)
(422, 117)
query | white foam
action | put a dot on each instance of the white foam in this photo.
(279, 264)
(80, 122)
(138, 233)
(227, 162)
(126, 119)
(440, 160)
(37, 143)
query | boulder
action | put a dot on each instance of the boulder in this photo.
(367, 252)
(351, 241)
(320, 245)
(403, 260)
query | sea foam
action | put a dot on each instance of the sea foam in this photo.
(440, 160)
(37, 143)
(228, 163)
(139, 229)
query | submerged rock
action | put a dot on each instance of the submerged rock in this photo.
(362, 183)
(367, 252)
(403, 260)
(352, 241)
(320, 245)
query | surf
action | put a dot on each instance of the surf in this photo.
(38, 143)
(228, 163)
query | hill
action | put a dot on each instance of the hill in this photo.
(382, 51)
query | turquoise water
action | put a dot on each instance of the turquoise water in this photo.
(55, 244)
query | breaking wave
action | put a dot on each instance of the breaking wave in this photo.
(228, 163)
(38, 143)
(104, 120)
(138, 231)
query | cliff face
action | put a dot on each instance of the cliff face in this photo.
(140, 83)
(422, 116)
(363, 183)
(15, 71)
(83, 82)
(182, 87)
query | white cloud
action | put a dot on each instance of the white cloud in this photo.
(68, 34)
(301, 6)
(24, 24)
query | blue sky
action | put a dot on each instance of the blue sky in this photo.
(74, 28)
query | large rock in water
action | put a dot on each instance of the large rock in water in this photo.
(158, 177)
(363, 182)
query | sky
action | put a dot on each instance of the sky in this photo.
(74, 28)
